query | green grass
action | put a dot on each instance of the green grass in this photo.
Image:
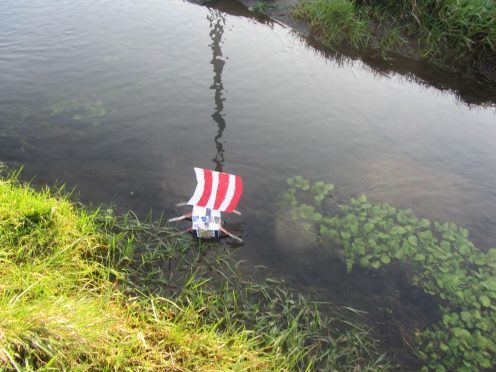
(335, 21)
(458, 35)
(59, 309)
(81, 290)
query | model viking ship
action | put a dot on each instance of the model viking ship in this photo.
(215, 192)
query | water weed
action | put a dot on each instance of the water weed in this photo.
(439, 257)
(79, 110)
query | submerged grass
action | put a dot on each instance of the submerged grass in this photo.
(208, 279)
(458, 35)
(82, 290)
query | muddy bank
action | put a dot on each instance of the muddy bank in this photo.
(280, 10)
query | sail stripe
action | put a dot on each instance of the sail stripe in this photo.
(199, 187)
(229, 193)
(207, 175)
(238, 190)
(222, 189)
(213, 193)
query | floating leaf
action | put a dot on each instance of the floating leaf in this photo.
(376, 264)
(354, 228)
(490, 284)
(485, 363)
(485, 301)
(362, 199)
(368, 227)
(454, 343)
(359, 248)
(461, 333)
(318, 199)
(376, 211)
(424, 223)
(445, 246)
(419, 257)
(398, 230)
(464, 249)
(481, 341)
(466, 316)
(479, 259)
(385, 259)
(413, 240)
(317, 217)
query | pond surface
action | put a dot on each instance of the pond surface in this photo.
(123, 99)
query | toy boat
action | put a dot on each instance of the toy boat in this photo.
(215, 192)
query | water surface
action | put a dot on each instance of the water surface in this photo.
(123, 99)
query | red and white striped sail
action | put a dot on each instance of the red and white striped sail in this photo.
(217, 190)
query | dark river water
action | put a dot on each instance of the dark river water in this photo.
(123, 99)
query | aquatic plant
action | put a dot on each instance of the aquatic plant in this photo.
(440, 258)
(79, 110)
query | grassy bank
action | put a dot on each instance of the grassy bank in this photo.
(82, 290)
(458, 35)
(59, 308)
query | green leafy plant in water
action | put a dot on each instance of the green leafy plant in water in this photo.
(443, 261)
(319, 190)
(79, 110)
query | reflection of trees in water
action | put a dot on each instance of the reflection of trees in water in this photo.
(217, 22)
